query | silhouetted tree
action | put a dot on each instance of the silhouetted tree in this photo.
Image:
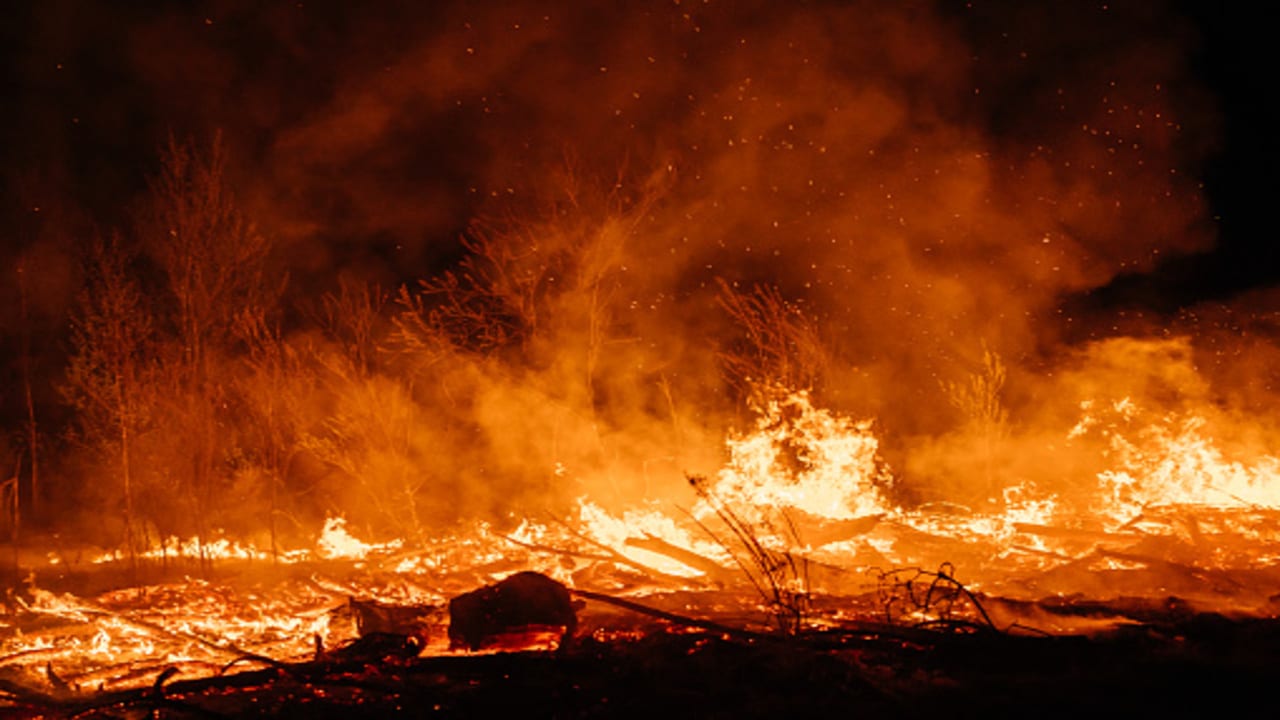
(107, 383)
(213, 261)
(272, 387)
(353, 318)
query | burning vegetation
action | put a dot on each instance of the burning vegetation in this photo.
(761, 342)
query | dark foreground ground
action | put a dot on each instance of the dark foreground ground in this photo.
(1204, 665)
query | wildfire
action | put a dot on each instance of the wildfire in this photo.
(803, 484)
(805, 480)
(769, 316)
(109, 638)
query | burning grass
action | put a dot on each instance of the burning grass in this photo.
(796, 544)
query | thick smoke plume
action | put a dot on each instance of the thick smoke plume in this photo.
(605, 219)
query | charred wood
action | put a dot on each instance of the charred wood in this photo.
(1091, 536)
(518, 602)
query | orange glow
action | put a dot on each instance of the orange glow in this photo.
(1165, 478)
(746, 315)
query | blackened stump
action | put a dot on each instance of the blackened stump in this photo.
(516, 603)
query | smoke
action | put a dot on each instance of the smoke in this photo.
(920, 181)
(974, 161)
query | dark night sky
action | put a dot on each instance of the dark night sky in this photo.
(91, 90)
(1237, 62)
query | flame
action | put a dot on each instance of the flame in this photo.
(803, 457)
(823, 467)
(195, 548)
(335, 542)
(1174, 462)
(820, 469)
(650, 522)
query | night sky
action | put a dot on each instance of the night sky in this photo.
(367, 138)
(1234, 60)
(92, 89)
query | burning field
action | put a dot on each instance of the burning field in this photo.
(679, 358)
(791, 553)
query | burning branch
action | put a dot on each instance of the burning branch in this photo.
(621, 559)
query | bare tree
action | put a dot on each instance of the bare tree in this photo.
(538, 294)
(213, 257)
(545, 285)
(107, 380)
(352, 317)
(380, 439)
(32, 429)
(269, 390)
(490, 302)
(214, 264)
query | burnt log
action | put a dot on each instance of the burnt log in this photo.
(714, 571)
(518, 603)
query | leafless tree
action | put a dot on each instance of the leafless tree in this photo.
(32, 428)
(353, 318)
(108, 377)
(214, 263)
(271, 387)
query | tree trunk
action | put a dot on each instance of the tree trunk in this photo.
(32, 435)
(126, 477)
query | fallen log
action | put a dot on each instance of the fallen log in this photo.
(536, 547)
(816, 530)
(375, 617)
(1042, 553)
(712, 569)
(620, 559)
(675, 619)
